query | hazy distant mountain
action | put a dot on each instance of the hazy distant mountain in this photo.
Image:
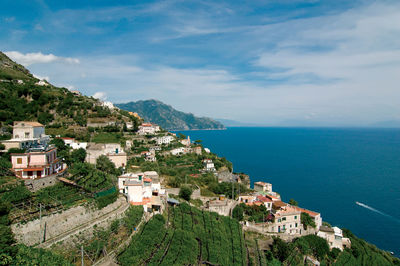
(387, 124)
(233, 123)
(167, 117)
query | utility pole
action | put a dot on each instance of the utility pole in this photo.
(40, 225)
(82, 263)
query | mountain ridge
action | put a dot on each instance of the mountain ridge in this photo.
(167, 117)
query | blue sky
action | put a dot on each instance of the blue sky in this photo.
(287, 62)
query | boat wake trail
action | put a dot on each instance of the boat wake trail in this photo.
(377, 211)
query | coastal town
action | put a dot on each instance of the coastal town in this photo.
(87, 182)
(259, 209)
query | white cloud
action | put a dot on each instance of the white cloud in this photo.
(100, 95)
(341, 69)
(38, 58)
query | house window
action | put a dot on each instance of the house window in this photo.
(284, 219)
(19, 160)
(279, 220)
(295, 217)
(26, 135)
(296, 224)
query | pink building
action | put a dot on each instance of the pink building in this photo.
(36, 163)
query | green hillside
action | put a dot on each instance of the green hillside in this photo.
(169, 118)
(188, 236)
(61, 111)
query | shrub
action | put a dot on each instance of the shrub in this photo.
(103, 201)
(185, 192)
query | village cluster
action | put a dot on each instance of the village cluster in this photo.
(40, 166)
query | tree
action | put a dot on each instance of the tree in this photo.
(280, 249)
(78, 155)
(237, 213)
(60, 144)
(105, 164)
(306, 220)
(293, 202)
(185, 192)
(181, 136)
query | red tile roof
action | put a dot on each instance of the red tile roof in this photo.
(311, 213)
(263, 199)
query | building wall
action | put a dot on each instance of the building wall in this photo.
(37, 159)
(135, 193)
(119, 160)
(291, 225)
(16, 165)
(36, 184)
(20, 132)
(12, 144)
(262, 188)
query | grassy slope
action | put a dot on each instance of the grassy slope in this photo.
(63, 112)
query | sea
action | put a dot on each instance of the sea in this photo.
(350, 175)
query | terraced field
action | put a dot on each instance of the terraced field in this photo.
(188, 236)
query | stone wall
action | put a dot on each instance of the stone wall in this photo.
(62, 224)
(36, 184)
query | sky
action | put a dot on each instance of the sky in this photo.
(271, 62)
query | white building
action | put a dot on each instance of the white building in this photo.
(129, 125)
(113, 151)
(334, 237)
(27, 130)
(141, 190)
(177, 151)
(164, 140)
(262, 187)
(26, 134)
(287, 220)
(74, 144)
(148, 129)
(109, 105)
(186, 141)
(209, 165)
(42, 83)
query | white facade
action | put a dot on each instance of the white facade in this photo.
(140, 189)
(334, 237)
(263, 187)
(25, 130)
(287, 220)
(109, 105)
(148, 129)
(209, 165)
(164, 140)
(177, 151)
(41, 83)
(75, 145)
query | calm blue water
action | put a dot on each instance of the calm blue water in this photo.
(326, 170)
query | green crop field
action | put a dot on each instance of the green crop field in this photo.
(188, 236)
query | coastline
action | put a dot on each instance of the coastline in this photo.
(280, 141)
